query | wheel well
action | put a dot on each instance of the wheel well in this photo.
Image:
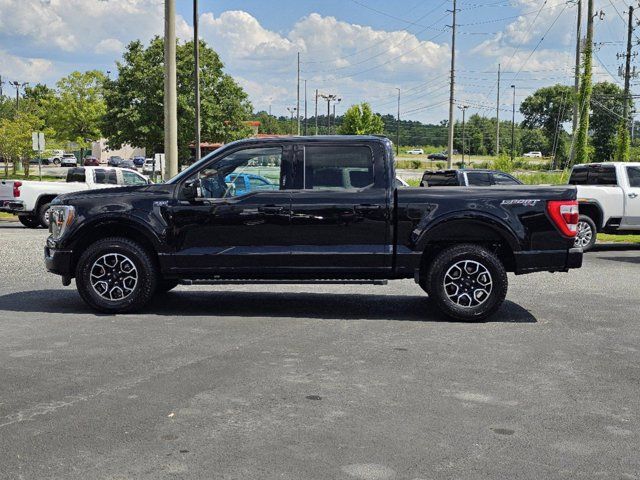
(473, 232)
(592, 211)
(42, 199)
(93, 234)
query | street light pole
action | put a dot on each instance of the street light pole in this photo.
(292, 111)
(513, 124)
(18, 85)
(196, 57)
(398, 126)
(464, 109)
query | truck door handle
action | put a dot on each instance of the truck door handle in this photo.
(271, 209)
(367, 207)
(633, 195)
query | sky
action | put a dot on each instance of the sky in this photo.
(361, 50)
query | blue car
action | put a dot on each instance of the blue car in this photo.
(248, 182)
(138, 161)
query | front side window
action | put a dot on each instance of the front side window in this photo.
(131, 178)
(227, 177)
(634, 176)
(338, 167)
(105, 177)
(479, 179)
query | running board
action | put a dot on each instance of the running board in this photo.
(268, 281)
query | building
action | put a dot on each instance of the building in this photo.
(100, 150)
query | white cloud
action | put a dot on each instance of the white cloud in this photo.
(109, 45)
(30, 70)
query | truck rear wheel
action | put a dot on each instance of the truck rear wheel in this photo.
(29, 221)
(586, 233)
(116, 275)
(43, 214)
(467, 282)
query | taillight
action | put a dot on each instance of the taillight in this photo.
(565, 216)
(16, 189)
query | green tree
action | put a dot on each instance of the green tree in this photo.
(548, 108)
(534, 139)
(135, 112)
(270, 124)
(607, 103)
(360, 120)
(15, 140)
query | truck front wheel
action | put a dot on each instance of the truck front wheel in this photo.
(467, 282)
(116, 275)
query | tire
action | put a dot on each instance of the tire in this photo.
(166, 285)
(29, 221)
(56, 161)
(587, 233)
(476, 271)
(43, 215)
(130, 275)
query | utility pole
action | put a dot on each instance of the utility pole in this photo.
(330, 97)
(576, 83)
(298, 93)
(584, 98)
(622, 152)
(316, 114)
(170, 92)
(334, 117)
(1, 83)
(498, 115)
(463, 108)
(398, 126)
(305, 106)
(513, 125)
(452, 86)
(196, 57)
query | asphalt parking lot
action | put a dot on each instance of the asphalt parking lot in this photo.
(329, 382)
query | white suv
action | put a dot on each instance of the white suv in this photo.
(533, 155)
(416, 151)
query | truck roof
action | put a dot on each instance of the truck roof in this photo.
(312, 138)
(593, 164)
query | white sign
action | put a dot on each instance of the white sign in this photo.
(37, 141)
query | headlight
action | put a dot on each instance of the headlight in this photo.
(60, 217)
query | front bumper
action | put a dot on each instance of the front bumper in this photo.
(548, 260)
(12, 206)
(58, 261)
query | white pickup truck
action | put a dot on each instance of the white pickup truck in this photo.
(609, 200)
(30, 199)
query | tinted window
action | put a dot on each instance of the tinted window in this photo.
(479, 179)
(504, 179)
(105, 177)
(224, 177)
(579, 176)
(76, 175)
(440, 179)
(634, 176)
(338, 167)
(131, 178)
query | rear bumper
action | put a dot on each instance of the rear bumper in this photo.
(548, 260)
(12, 206)
(59, 262)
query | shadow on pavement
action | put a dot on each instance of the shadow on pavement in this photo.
(614, 247)
(622, 259)
(333, 306)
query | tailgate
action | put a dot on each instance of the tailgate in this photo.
(6, 190)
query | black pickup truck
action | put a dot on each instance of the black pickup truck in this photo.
(308, 209)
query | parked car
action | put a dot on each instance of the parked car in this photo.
(90, 161)
(416, 151)
(438, 156)
(336, 216)
(56, 157)
(533, 155)
(69, 160)
(127, 164)
(138, 161)
(609, 197)
(243, 183)
(467, 178)
(115, 161)
(30, 200)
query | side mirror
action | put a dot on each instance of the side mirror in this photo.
(191, 190)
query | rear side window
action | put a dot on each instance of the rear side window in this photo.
(594, 175)
(479, 179)
(442, 179)
(634, 176)
(504, 179)
(76, 175)
(105, 177)
(338, 167)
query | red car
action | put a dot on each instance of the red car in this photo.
(90, 161)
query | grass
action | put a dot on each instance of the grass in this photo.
(605, 237)
(543, 178)
(7, 216)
